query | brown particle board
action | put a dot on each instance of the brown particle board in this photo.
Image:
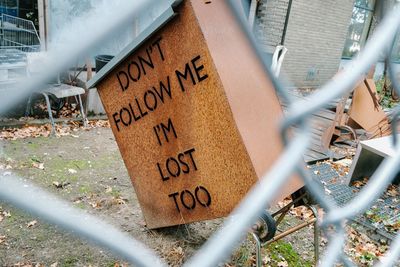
(200, 125)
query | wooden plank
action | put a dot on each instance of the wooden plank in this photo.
(322, 125)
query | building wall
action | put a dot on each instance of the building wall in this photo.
(315, 36)
(270, 21)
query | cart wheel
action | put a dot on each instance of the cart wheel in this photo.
(265, 227)
(56, 103)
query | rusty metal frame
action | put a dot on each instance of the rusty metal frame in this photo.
(281, 213)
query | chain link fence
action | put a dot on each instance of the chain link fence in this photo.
(18, 192)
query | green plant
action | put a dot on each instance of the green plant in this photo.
(385, 94)
(282, 251)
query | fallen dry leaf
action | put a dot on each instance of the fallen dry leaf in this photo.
(302, 212)
(359, 183)
(361, 248)
(176, 255)
(108, 189)
(2, 239)
(31, 224)
(95, 204)
(72, 171)
(392, 191)
(38, 165)
(119, 200)
(99, 124)
(266, 260)
(283, 264)
(45, 130)
(6, 214)
(118, 264)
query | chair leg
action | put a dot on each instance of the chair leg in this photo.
(316, 233)
(258, 250)
(53, 127)
(84, 119)
(28, 110)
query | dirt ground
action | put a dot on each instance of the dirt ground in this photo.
(86, 169)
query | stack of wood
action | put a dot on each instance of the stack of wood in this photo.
(322, 128)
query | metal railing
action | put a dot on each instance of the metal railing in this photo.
(17, 33)
(221, 244)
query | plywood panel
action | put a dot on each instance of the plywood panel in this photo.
(194, 142)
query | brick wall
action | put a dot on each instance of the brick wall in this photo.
(315, 36)
(270, 21)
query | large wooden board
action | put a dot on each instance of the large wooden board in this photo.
(195, 135)
(363, 109)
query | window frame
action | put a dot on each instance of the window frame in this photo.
(371, 11)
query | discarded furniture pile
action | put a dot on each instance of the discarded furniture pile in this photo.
(57, 92)
(360, 117)
(356, 120)
(20, 57)
(346, 121)
(322, 128)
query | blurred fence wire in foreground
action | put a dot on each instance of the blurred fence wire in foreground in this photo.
(17, 192)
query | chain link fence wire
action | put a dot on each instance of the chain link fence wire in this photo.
(219, 247)
(80, 37)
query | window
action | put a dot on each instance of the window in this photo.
(25, 9)
(28, 10)
(359, 27)
(9, 7)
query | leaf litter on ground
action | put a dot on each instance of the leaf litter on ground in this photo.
(65, 129)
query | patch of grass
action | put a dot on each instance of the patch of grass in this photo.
(84, 190)
(80, 164)
(115, 193)
(76, 164)
(272, 255)
(69, 262)
(80, 205)
(33, 146)
(63, 164)
(375, 216)
(281, 251)
(34, 158)
(368, 259)
(243, 256)
(72, 178)
(386, 99)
